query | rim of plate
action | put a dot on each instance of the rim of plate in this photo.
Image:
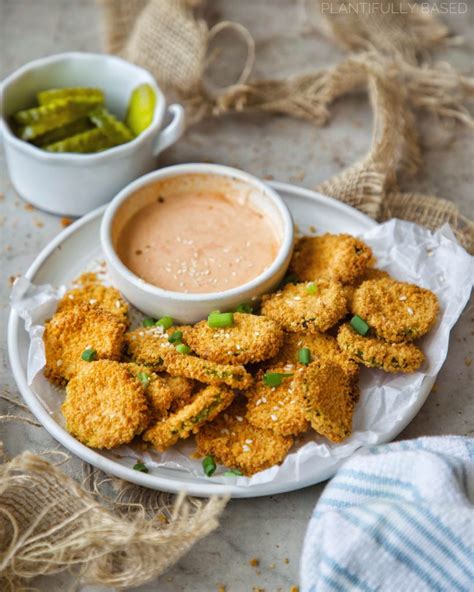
(154, 481)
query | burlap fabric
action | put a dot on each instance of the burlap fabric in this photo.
(49, 522)
(170, 38)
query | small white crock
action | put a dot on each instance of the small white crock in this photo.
(74, 184)
(184, 307)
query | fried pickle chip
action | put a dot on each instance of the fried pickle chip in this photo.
(377, 353)
(336, 257)
(151, 347)
(328, 395)
(206, 371)
(250, 339)
(207, 404)
(321, 347)
(279, 408)
(105, 405)
(236, 443)
(396, 311)
(310, 306)
(69, 333)
(96, 294)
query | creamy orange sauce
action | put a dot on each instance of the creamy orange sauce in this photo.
(197, 242)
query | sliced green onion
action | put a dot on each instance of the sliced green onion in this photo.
(165, 322)
(139, 466)
(289, 279)
(244, 308)
(208, 465)
(232, 473)
(183, 349)
(312, 288)
(144, 378)
(359, 325)
(176, 337)
(304, 356)
(148, 322)
(217, 320)
(275, 378)
(89, 355)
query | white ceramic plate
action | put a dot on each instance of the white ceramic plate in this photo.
(70, 253)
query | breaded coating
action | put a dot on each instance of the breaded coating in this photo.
(69, 333)
(157, 391)
(337, 257)
(296, 308)
(206, 371)
(236, 443)
(396, 311)
(96, 294)
(328, 398)
(279, 408)
(250, 339)
(207, 404)
(105, 405)
(371, 273)
(377, 353)
(181, 390)
(321, 347)
(147, 346)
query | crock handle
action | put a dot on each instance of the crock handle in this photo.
(173, 131)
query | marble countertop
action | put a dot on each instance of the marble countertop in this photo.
(271, 528)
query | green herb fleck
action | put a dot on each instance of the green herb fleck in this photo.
(312, 288)
(144, 378)
(218, 320)
(244, 308)
(176, 337)
(139, 466)
(304, 356)
(208, 465)
(165, 322)
(182, 348)
(275, 378)
(148, 322)
(359, 325)
(232, 473)
(89, 355)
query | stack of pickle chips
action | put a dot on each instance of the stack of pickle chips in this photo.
(76, 120)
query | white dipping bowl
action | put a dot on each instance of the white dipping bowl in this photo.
(186, 307)
(74, 184)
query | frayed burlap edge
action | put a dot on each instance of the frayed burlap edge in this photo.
(102, 531)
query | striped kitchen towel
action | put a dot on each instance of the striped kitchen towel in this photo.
(396, 518)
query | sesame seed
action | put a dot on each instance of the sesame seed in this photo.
(410, 310)
(92, 301)
(224, 431)
(249, 441)
(297, 298)
(238, 418)
(71, 296)
(117, 304)
(142, 333)
(402, 298)
(59, 363)
(246, 448)
(264, 399)
(273, 417)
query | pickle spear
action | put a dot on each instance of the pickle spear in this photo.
(115, 130)
(141, 108)
(65, 131)
(55, 94)
(92, 141)
(39, 120)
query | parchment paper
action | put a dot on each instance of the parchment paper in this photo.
(409, 253)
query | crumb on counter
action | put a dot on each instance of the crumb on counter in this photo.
(65, 222)
(254, 562)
